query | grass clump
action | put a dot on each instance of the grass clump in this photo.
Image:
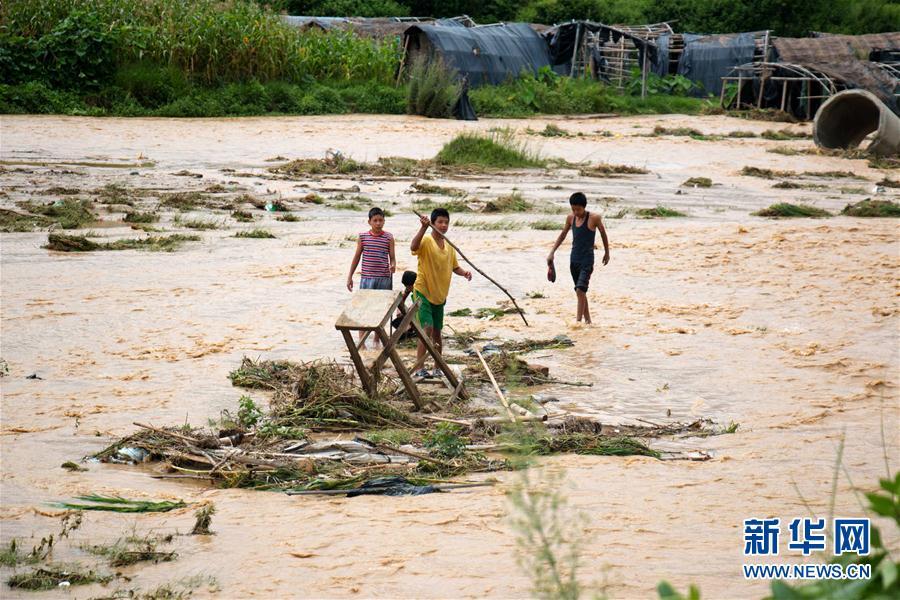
(132, 550)
(545, 225)
(445, 441)
(433, 89)
(497, 150)
(552, 130)
(255, 234)
(784, 135)
(765, 173)
(203, 519)
(288, 218)
(426, 205)
(592, 444)
(72, 467)
(50, 576)
(513, 202)
(242, 216)
(872, 208)
(658, 212)
(12, 221)
(68, 213)
(609, 170)
(183, 200)
(703, 182)
(503, 225)
(740, 134)
(79, 243)
(198, 224)
(787, 210)
(428, 188)
(793, 185)
(141, 217)
(681, 132)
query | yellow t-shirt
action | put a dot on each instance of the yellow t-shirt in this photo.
(435, 269)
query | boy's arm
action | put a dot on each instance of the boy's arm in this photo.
(354, 264)
(602, 230)
(560, 238)
(393, 256)
(460, 271)
(417, 239)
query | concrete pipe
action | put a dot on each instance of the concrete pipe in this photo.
(849, 116)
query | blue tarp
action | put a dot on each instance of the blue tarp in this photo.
(490, 54)
(708, 58)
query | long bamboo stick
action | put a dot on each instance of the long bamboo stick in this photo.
(485, 275)
(503, 401)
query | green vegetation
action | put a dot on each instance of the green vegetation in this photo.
(242, 216)
(445, 442)
(72, 467)
(131, 550)
(50, 576)
(546, 225)
(433, 89)
(198, 224)
(658, 212)
(288, 218)
(552, 130)
(68, 213)
(501, 225)
(12, 221)
(141, 217)
(80, 243)
(497, 150)
(703, 182)
(255, 234)
(513, 202)
(872, 208)
(428, 188)
(787, 210)
(120, 505)
(203, 519)
(609, 170)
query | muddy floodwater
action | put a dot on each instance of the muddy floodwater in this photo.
(788, 328)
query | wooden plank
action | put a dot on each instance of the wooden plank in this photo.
(368, 309)
(395, 337)
(367, 383)
(408, 383)
(438, 359)
(503, 401)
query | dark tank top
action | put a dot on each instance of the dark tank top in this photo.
(583, 242)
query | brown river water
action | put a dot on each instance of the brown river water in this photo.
(787, 327)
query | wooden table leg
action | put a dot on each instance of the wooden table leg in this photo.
(395, 337)
(365, 379)
(408, 383)
(438, 359)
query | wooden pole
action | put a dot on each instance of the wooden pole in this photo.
(503, 401)
(485, 275)
(644, 74)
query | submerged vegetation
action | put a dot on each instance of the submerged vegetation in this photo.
(79, 243)
(872, 208)
(497, 150)
(787, 210)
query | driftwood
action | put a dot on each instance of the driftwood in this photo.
(440, 488)
(485, 275)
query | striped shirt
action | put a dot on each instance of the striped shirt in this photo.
(376, 258)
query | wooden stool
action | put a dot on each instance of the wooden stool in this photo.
(370, 311)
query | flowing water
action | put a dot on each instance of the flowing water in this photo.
(787, 327)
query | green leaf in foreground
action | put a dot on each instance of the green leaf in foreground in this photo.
(122, 505)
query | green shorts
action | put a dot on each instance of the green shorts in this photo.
(430, 315)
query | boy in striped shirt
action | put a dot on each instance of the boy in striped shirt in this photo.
(375, 249)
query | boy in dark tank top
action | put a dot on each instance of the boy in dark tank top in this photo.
(584, 226)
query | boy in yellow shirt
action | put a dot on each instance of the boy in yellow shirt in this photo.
(437, 263)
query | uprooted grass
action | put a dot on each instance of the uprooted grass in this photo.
(496, 150)
(50, 577)
(131, 550)
(788, 210)
(772, 173)
(437, 190)
(658, 212)
(502, 225)
(12, 221)
(79, 243)
(335, 163)
(69, 213)
(546, 225)
(701, 182)
(316, 394)
(255, 234)
(610, 170)
(513, 202)
(872, 208)
(140, 217)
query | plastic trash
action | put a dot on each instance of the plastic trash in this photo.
(390, 486)
(136, 455)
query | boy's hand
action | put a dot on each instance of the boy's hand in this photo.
(605, 258)
(349, 284)
(467, 275)
(425, 221)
